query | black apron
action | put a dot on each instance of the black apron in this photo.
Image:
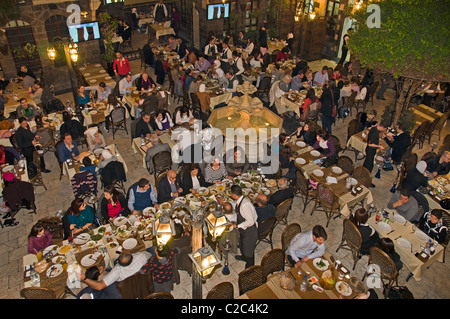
(235, 69)
(248, 236)
(160, 15)
(225, 65)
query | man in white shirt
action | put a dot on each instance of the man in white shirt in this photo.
(305, 246)
(102, 91)
(232, 83)
(126, 84)
(247, 225)
(225, 57)
(321, 77)
(128, 264)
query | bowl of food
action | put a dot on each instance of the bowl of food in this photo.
(327, 280)
(343, 288)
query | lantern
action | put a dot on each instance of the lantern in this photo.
(217, 222)
(204, 260)
(163, 229)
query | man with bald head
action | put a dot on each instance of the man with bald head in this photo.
(284, 192)
(169, 187)
(264, 210)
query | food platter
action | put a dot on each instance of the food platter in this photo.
(54, 271)
(343, 288)
(321, 264)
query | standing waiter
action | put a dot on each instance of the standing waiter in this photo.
(247, 226)
(344, 50)
(160, 12)
(373, 143)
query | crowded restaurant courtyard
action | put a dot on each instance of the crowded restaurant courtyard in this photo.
(211, 150)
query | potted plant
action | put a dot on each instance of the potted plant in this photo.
(109, 27)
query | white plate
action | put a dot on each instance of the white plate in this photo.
(265, 191)
(49, 248)
(203, 191)
(119, 221)
(385, 227)
(108, 78)
(317, 260)
(404, 243)
(87, 74)
(165, 205)
(61, 251)
(317, 288)
(8, 168)
(82, 239)
(354, 181)
(399, 219)
(336, 170)
(150, 210)
(180, 200)
(98, 151)
(300, 161)
(59, 259)
(339, 288)
(318, 172)
(93, 112)
(301, 144)
(90, 244)
(89, 260)
(93, 81)
(421, 235)
(54, 271)
(130, 243)
(98, 65)
(102, 71)
(315, 153)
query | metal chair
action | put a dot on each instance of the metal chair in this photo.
(224, 290)
(54, 225)
(351, 240)
(37, 293)
(265, 231)
(327, 201)
(162, 162)
(282, 211)
(46, 139)
(251, 278)
(446, 222)
(363, 176)
(387, 268)
(303, 187)
(346, 164)
(37, 180)
(160, 295)
(117, 120)
(313, 111)
(273, 261)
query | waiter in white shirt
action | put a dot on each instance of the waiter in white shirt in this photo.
(247, 226)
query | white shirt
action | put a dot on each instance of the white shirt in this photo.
(250, 48)
(362, 94)
(239, 65)
(248, 212)
(119, 273)
(195, 182)
(124, 84)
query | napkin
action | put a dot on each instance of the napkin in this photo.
(331, 180)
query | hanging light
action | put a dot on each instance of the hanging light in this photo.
(204, 260)
(358, 5)
(84, 14)
(51, 53)
(73, 52)
(312, 15)
(217, 223)
(163, 229)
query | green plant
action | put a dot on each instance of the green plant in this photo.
(28, 50)
(110, 26)
(408, 118)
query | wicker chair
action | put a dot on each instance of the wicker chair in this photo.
(337, 143)
(442, 121)
(346, 164)
(363, 176)
(351, 240)
(37, 179)
(162, 162)
(251, 278)
(160, 295)
(282, 211)
(446, 222)
(273, 261)
(387, 267)
(373, 90)
(352, 128)
(428, 155)
(327, 201)
(418, 136)
(303, 187)
(350, 103)
(265, 231)
(288, 233)
(224, 290)
(37, 293)
(117, 120)
(55, 226)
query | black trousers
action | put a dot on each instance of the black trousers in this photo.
(370, 157)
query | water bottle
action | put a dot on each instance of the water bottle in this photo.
(348, 182)
(34, 276)
(427, 248)
(22, 161)
(142, 140)
(304, 283)
(432, 248)
(259, 168)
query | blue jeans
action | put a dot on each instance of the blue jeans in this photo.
(326, 123)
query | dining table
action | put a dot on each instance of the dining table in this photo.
(96, 112)
(139, 145)
(274, 288)
(20, 173)
(437, 190)
(358, 141)
(160, 29)
(409, 242)
(425, 113)
(14, 92)
(306, 159)
(295, 100)
(94, 74)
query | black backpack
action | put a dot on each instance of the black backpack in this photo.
(400, 292)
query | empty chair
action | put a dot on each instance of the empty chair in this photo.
(346, 164)
(251, 278)
(351, 240)
(337, 143)
(363, 176)
(282, 211)
(37, 180)
(224, 290)
(265, 231)
(55, 226)
(137, 286)
(273, 261)
(327, 201)
(303, 187)
(37, 293)
(418, 135)
(160, 295)
(117, 120)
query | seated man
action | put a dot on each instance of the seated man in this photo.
(438, 165)
(321, 77)
(284, 192)
(416, 177)
(297, 82)
(155, 148)
(305, 246)
(264, 210)
(69, 149)
(110, 292)
(144, 126)
(141, 196)
(202, 64)
(169, 187)
(126, 84)
(128, 265)
(405, 205)
(26, 110)
(432, 225)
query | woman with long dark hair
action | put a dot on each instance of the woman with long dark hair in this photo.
(387, 245)
(308, 132)
(80, 217)
(113, 204)
(39, 238)
(369, 235)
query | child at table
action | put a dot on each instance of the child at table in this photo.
(432, 225)
(39, 238)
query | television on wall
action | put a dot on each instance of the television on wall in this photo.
(84, 31)
(217, 11)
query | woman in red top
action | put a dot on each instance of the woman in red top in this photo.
(283, 55)
(113, 204)
(310, 98)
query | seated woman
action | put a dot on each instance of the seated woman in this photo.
(94, 138)
(215, 171)
(432, 225)
(6, 157)
(163, 120)
(310, 98)
(325, 145)
(105, 158)
(288, 162)
(184, 115)
(369, 235)
(88, 166)
(80, 217)
(236, 162)
(192, 180)
(387, 245)
(113, 204)
(39, 238)
(308, 132)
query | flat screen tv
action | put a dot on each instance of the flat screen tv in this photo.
(217, 11)
(84, 31)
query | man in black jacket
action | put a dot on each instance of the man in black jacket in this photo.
(398, 143)
(263, 208)
(284, 192)
(169, 187)
(145, 126)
